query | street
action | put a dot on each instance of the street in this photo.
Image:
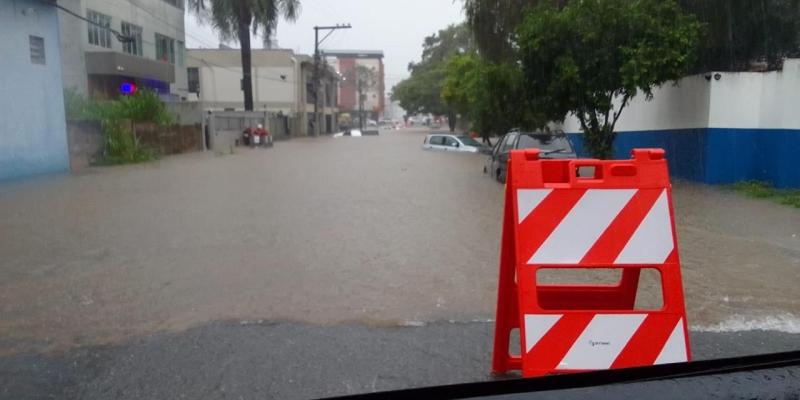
(324, 266)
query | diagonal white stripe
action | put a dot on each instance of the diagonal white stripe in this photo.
(528, 200)
(652, 242)
(675, 348)
(602, 341)
(536, 326)
(581, 228)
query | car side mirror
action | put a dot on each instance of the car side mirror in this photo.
(455, 144)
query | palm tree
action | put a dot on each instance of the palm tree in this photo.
(234, 19)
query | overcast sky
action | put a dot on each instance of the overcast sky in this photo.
(395, 26)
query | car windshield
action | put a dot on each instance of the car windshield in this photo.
(468, 141)
(291, 199)
(546, 142)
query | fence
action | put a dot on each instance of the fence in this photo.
(171, 139)
(718, 127)
(86, 144)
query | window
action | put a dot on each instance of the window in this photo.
(180, 54)
(468, 141)
(544, 142)
(450, 142)
(437, 140)
(193, 76)
(165, 48)
(508, 143)
(330, 89)
(37, 49)
(99, 32)
(135, 32)
(310, 93)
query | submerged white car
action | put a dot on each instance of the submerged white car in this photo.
(446, 142)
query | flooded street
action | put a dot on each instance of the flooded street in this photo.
(369, 231)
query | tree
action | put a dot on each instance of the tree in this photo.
(489, 94)
(494, 24)
(593, 56)
(740, 32)
(234, 19)
(421, 92)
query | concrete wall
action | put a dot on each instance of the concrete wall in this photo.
(73, 36)
(154, 16)
(33, 137)
(85, 144)
(743, 126)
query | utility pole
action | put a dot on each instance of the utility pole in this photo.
(360, 102)
(317, 73)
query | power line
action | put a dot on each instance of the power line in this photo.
(122, 38)
(180, 30)
(225, 67)
(230, 69)
(128, 39)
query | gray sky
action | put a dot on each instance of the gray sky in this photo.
(396, 27)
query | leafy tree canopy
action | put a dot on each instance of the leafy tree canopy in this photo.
(739, 32)
(580, 59)
(228, 16)
(490, 95)
(421, 92)
(736, 33)
(494, 24)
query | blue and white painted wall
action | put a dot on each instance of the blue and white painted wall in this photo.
(33, 138)
(744, 126)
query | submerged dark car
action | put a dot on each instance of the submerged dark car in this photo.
(553, 144)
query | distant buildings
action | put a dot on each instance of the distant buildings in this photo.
(282, 85)
(393, 110)
(346, 63)
(97, 62)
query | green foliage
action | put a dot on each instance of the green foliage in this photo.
(489, 94)
(421, 92)
(494, 24)
(228, 16)
(763, 190)
(738, 32)
(591, 57)
(144, 106)
(79, 107)
(462, 82)
(122, 146)
(116, 117)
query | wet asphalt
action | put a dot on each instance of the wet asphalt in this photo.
(292, 361)
(321, 267)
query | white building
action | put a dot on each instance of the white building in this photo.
(97, 62)
(282, 85)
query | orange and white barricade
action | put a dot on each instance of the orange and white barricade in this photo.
(618, 218)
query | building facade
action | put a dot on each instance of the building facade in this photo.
(33, 136)
(347, 63)
(282, 85)
(148, 53)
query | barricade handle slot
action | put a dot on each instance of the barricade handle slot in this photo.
(586, 171)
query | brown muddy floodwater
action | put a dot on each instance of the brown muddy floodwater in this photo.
(372, 230)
